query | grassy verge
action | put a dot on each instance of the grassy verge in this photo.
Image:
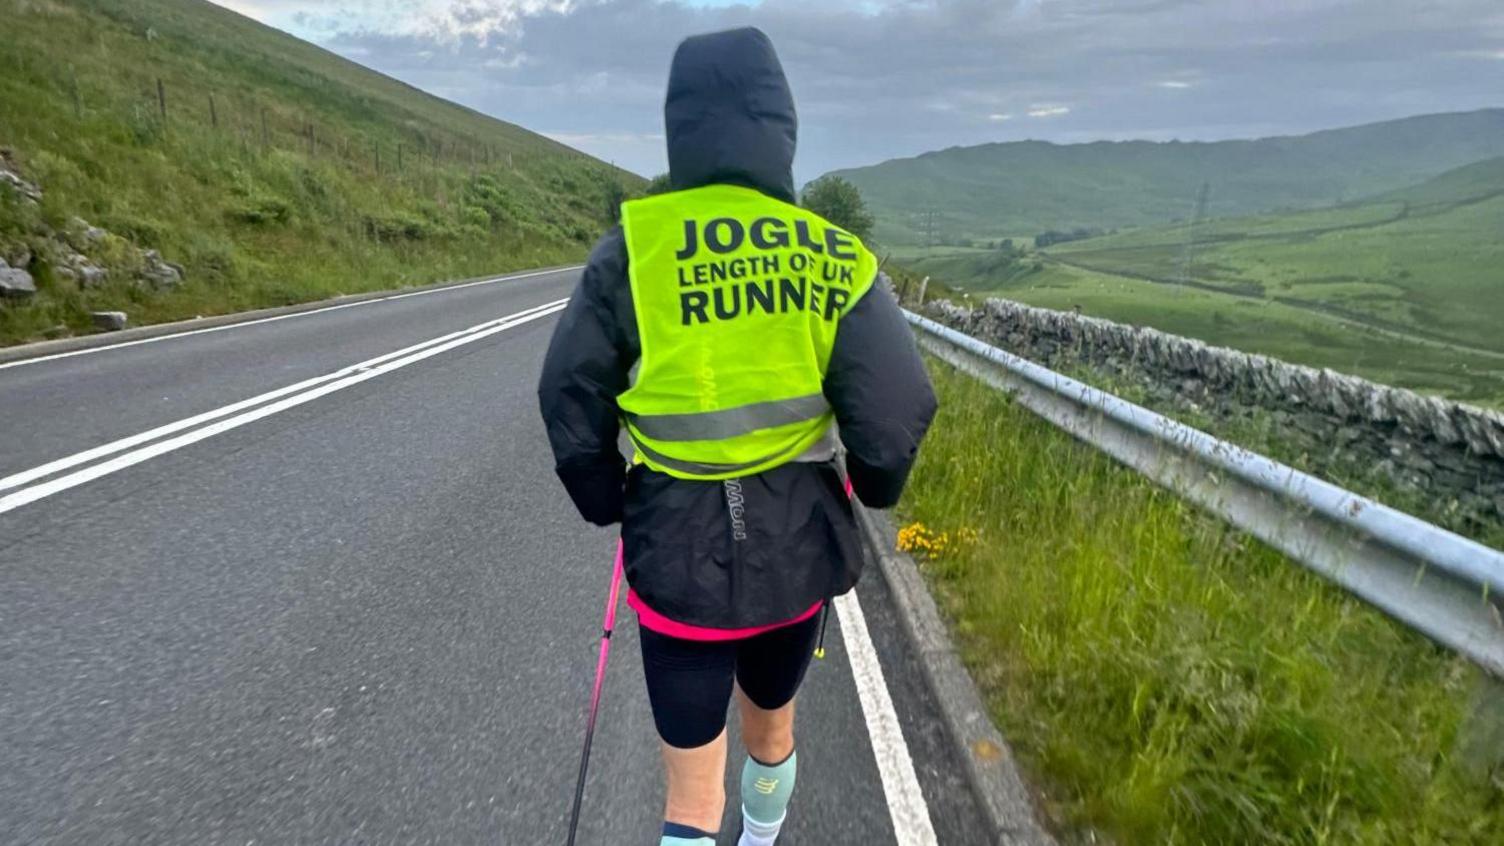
(272, 171)
(1165, 679)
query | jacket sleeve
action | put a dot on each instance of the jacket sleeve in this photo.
(881, 394)
(593, 349)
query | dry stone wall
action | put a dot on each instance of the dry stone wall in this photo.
(1451, 454)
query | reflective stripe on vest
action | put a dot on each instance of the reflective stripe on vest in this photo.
(737, 297)
(823, 449)
(729, 422)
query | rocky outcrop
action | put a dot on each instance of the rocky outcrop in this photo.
(15, 283)
(109, 321)
(15, 255)
(81, 235)
(79, 253)
(10, 175)
(76, 268)
(159, 273)
(1450, 453)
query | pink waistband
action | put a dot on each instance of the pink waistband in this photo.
(654, 621)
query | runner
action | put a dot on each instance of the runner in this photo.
(733, 334)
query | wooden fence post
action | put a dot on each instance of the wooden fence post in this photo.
(266, 135)
(162, 100)
(213, 113)
(399, 158)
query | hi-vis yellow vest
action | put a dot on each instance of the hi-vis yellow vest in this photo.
(737, 298)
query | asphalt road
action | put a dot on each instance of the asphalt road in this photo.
(359, 611)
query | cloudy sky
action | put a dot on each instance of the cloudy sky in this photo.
(878, 79)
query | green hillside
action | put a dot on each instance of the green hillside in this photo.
(1407, 288)
(265, 169)
(1019, 189)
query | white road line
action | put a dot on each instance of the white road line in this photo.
(228, 326)
(362, 372)
(906, 806)
(28, 476)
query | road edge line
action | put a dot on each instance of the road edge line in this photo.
(18, 353)
(908, 810)
(986, 757)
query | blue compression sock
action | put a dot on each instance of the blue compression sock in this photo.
(675, 834)
(766, 791)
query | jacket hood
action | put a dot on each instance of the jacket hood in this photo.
(729, 115)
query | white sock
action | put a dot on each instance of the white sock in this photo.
(756, 833)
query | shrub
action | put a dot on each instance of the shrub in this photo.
(261, 211)
(397, 229)
(475, 216)
(839, 202)
(659, 185)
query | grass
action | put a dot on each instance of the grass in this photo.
(1402, 290)
(1266, 327)
(258, 212)
(1166, 679)
(1425, 261)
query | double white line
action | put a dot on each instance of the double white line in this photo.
(44, 481)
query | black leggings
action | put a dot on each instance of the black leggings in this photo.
(689, 681)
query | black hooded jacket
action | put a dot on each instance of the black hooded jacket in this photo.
(762, 549)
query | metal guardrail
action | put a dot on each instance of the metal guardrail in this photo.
(1439, 583)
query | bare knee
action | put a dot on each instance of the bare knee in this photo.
(768, 734)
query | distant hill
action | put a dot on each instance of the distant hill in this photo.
(1406, 287)
(266, 169)
(1019, 189)
(1474, 181)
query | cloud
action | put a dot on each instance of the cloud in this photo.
(876, 79)
(441, 20)
(509, 61)
(1000, 116)
(606, 137)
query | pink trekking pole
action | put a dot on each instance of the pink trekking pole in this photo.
(595, 694)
